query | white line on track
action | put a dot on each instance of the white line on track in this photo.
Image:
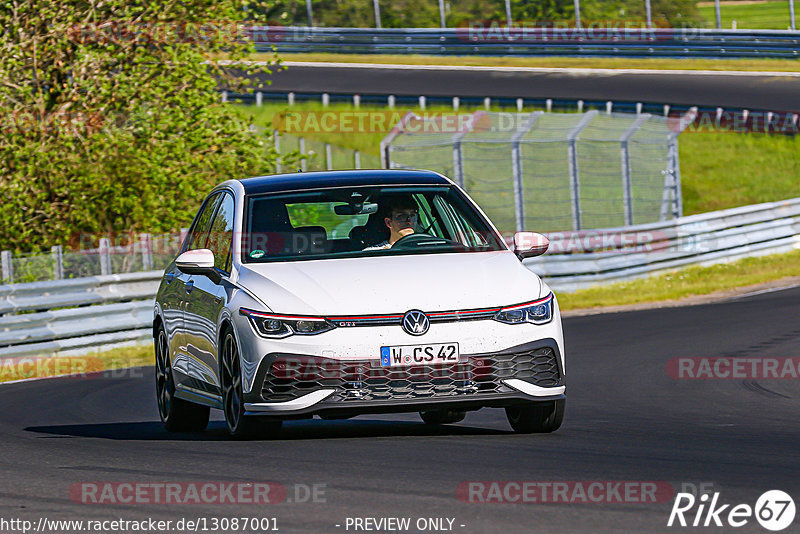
(543, 70)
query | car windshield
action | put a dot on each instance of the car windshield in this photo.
(363, 221)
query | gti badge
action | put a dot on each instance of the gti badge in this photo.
(416, 323)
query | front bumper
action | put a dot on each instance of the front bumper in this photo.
(525, 373)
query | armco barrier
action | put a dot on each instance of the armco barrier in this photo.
(492, 41)
(580, 259)
(85, 313)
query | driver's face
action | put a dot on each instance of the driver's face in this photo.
(403, 219)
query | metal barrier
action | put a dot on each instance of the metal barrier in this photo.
(68, 316)
(493, 41)
(578, 260)
(45, 318)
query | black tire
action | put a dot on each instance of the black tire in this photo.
(178, 415)
(539, 418)
(442, 417)
(240, 426)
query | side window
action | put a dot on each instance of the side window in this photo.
(221, 235)
(202, 223)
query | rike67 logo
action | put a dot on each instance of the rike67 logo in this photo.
(774, 510)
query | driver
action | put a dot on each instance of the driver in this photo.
(401, 219)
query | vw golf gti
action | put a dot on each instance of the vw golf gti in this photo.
(341, 293)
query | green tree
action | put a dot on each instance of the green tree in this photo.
(112, 119)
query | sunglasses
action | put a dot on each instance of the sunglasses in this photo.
(405, 216)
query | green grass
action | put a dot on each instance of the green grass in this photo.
(688, 282)
(777, 65)
(726, 170)
(94, 362)
(772, 15)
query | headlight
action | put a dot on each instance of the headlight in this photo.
(279, 326)
(536, 312)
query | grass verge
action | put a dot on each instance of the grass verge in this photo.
(84, 366)
(772, 15)
(765, 65)
(688, 282)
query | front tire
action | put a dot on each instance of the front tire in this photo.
(538, 418)
(442, 417)
(240, 426)
(177, 415)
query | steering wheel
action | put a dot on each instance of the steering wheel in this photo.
(410, 240)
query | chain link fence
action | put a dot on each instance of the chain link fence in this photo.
(552, 171)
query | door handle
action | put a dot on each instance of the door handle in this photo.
(169, 277)
(189, 286)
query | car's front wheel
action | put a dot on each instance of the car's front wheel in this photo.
(442, 417)
(240, 426)
(177, 415)
(536, 417)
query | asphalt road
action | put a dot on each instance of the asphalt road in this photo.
(764, 92)
(626, 421)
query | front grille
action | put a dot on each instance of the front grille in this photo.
(290, 377)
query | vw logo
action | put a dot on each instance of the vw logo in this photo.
(416, 323)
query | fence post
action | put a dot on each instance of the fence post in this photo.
(290, 98)
(719, 17)
(326, 100)
(276, 136)
(58, 262)
(442, 21)
(105, 255)
(627, 187)
(377, 13)
(259, 98)
(390, 101)
(8, 267)
(516, 166)
(301, 146)
(147, 252)
(574, 173)
(548, 105)
(791, 15)
(422, 101)
(458, 159)
(357, 159)
(224, 96)
(328, 157)
(310, 14)
(487, 103)
(356, 101)
(456, 103)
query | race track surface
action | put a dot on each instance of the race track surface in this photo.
(626, 421)
(763, 92)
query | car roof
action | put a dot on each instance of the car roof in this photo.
(275, 183)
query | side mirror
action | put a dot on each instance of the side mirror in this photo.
(200, 262)
(530, 244)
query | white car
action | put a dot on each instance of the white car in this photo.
(354, 292)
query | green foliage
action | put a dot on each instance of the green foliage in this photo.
(113, 120)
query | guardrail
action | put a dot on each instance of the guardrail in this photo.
(45, 318)
(499, 41)
(69, 316)
(580, 259)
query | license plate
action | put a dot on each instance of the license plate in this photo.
(403, 355)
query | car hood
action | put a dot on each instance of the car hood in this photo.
(392, 284)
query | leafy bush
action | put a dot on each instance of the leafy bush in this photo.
(113, 122)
